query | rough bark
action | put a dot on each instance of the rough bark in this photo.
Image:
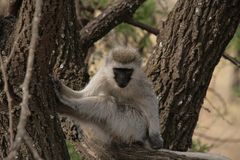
(43, 124)
(110, 18)
(6, 25)
(189, 46)
(189, 38)
(68, 59)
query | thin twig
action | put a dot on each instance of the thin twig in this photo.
(9, 99)
(5, 79)
(143, 26)
(28, 140)
(231, 59)
(163, 5)
(230, 140)
(78, 12)
(220, 98)
(219, 113)
(21, 130)
(15, 45)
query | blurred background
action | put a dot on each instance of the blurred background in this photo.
(218, 128)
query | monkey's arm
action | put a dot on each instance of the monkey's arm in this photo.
(92, 88)
(94, 108)
(68, 92)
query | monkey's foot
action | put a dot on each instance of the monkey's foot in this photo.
(156, 141)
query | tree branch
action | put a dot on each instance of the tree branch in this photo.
(232, 60)
(9, 99)
(15, 45)
(5, 79)
(136, 152)
(28, 140)
(143, 26)
(107, 20)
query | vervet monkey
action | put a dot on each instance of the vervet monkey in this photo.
(118, 105)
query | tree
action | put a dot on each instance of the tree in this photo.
(43, 125)
(190, 44)
(181, 67)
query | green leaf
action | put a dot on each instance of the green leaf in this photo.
(74, 155)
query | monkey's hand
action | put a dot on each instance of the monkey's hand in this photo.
(57, 84)
(156, 141)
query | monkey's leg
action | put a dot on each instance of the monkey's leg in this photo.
(155, 138)
(156, 141)
(150, 109)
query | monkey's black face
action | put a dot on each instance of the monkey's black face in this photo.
(122, 76)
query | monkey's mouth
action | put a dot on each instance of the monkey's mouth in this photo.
(122, 85)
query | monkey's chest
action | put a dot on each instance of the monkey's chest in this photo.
(125, 104)
(129, 125)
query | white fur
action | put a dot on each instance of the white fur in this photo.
(107, 111)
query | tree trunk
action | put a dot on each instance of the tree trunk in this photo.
(43, 124)
(68, 60)
(189, 46)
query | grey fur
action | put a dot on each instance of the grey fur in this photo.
(108, 113)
